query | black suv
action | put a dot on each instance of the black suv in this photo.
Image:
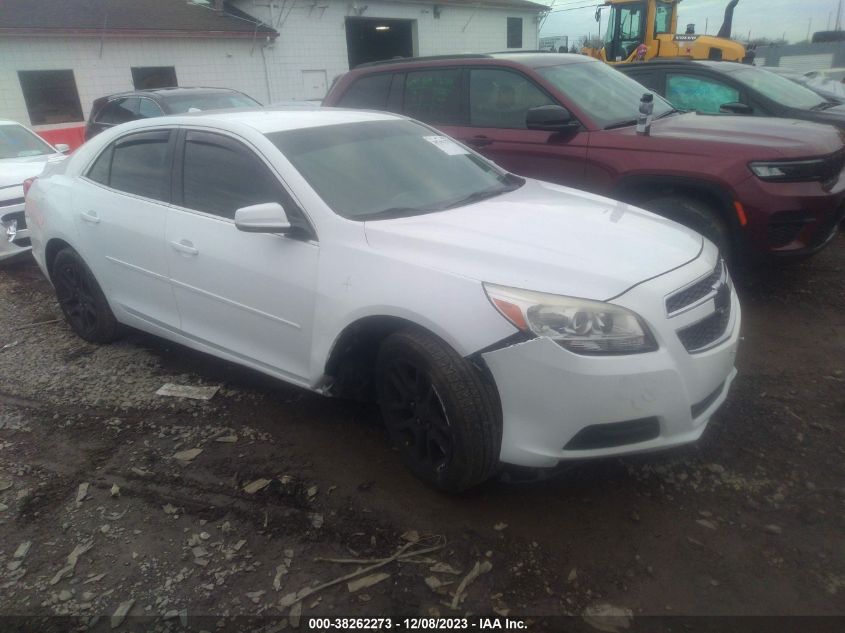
(726, 88)
(144, 104)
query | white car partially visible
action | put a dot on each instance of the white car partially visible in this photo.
(23, 154)
(495, 319)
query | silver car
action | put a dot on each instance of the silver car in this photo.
(23, 154)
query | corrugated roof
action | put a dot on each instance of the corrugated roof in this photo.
(127, 17)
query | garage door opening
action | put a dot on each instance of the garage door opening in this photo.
(377, 39)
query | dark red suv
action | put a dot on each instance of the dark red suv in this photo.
(754, 186)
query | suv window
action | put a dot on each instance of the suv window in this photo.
(500, 98)
(140, 165)
(149, 108)
(702, 94)
(220, 175)
(649, 78)
(434, 96)
(119, 111)
(368, 92)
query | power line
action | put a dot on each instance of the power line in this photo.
(586, 6)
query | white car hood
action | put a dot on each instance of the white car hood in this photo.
(13, 171)
(542, 237)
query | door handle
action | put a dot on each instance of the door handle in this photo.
(90, 217)
(480, 141)
(185, 247)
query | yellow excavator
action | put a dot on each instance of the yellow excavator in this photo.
(642, 30)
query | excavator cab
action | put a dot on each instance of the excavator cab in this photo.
(632, 24)
(640, 30)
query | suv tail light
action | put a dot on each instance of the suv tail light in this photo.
(27, 184)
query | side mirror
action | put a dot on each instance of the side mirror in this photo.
(62, 148)
(551, 118)
(269, 217)
(736, 108)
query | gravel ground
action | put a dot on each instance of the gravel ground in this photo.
(116, 500)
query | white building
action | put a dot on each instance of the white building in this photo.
(57, 56)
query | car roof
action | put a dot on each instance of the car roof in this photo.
(276, 119)
(532, 59)
(724, 67)
(172, 92)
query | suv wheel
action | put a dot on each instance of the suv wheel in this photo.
(694, 214)
(81, 299)
(441, 415)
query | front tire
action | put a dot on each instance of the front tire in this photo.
(441, 414)
(695, 215)
(81, 299)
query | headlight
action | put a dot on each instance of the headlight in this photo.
(579, 325)
(793, 171)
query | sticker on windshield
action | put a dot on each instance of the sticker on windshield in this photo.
(446, 145)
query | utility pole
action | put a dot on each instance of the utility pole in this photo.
(809, 28)
(839, 16)
(706, 25)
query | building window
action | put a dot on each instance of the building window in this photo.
(514, 32)
(50, 96)
(147, 77)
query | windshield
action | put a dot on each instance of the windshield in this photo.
(777, 88)
(604, 94)
(210, 101)
(18, 142)
(381, 169)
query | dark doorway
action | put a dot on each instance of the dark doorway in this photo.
(377, 39)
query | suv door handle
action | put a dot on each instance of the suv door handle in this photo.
(185, 247)
(480, 141)
(90, 217)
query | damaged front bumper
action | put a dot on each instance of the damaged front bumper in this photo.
(558, 405)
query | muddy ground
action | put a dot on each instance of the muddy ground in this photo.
(751, 521)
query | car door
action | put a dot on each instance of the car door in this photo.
(498, 103)
(250, 295)
(120, 209)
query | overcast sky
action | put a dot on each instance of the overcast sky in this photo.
(764, 18)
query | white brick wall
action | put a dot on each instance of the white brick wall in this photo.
(312, 37)
(198, 62)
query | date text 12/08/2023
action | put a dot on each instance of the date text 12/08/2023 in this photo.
(416, 624)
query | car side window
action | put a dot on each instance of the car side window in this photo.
(501, 98)
(119, 111)
(649, 79)
(100, 170)
(702, 94)
(148, 109)
(368, 92)
(220, 175)
(434, 96)
(140, 165)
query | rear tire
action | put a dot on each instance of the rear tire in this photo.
(81, 299)
(693, 214)
(439, 411)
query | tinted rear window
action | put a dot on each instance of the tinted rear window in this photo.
(139, 165)
(368, 92)
(213, 101)
(434, 96)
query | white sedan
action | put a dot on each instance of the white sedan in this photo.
(495, 319)
(23, 154)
